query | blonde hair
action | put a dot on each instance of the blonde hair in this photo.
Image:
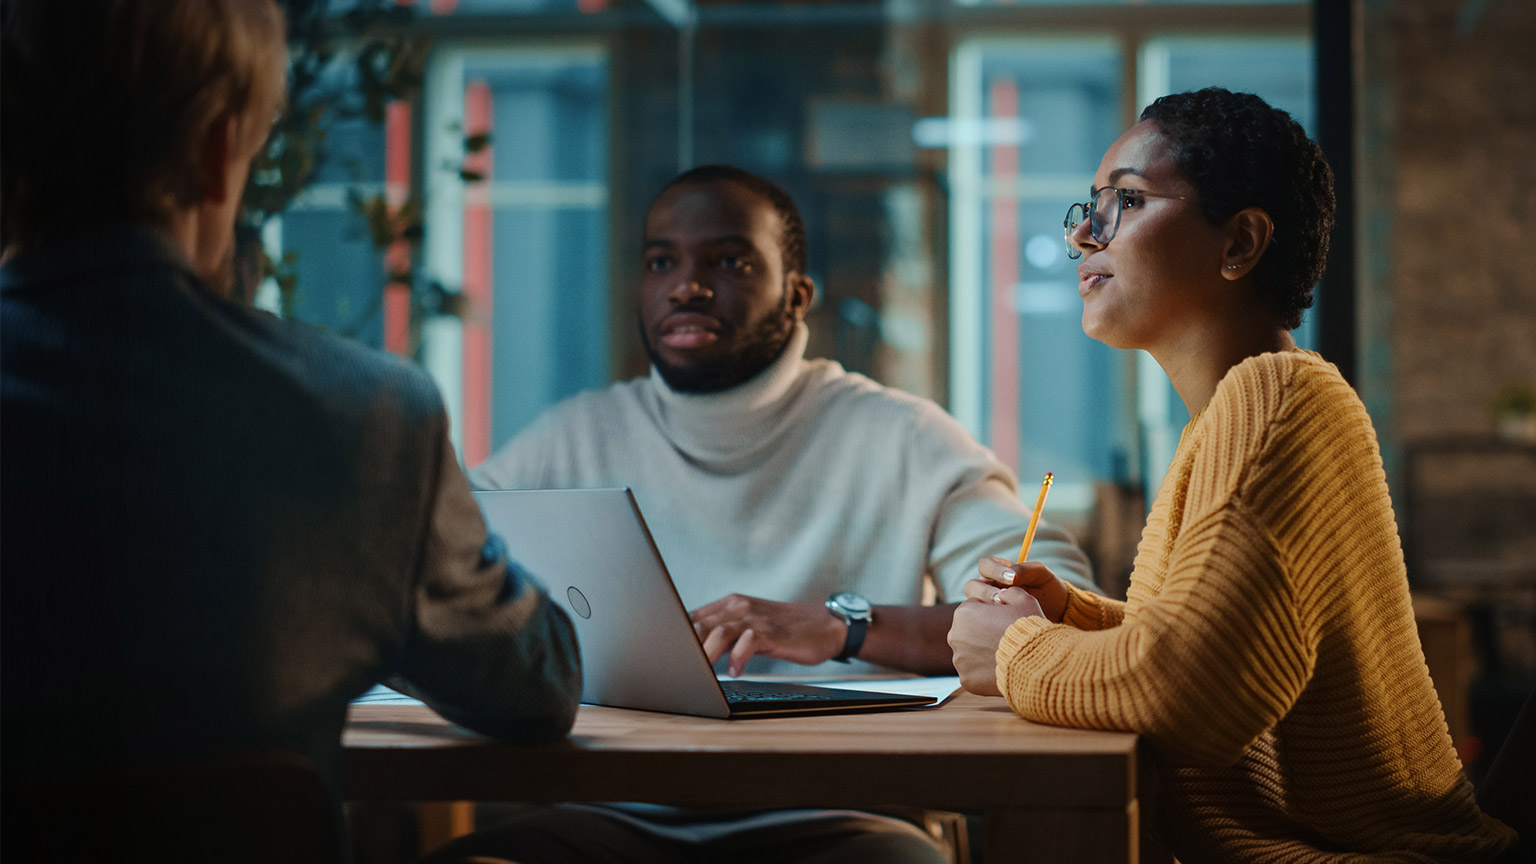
(106, 104)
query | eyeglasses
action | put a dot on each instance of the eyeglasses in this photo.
(1103, 215)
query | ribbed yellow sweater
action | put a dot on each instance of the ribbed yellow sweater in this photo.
(1267, 647)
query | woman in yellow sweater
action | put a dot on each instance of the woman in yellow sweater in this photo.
(1266, 646)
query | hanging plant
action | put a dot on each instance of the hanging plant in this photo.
(388, 63)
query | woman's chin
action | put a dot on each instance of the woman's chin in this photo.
(1094, 328)
(1099, 330)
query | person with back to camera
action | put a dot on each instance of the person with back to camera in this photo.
(1266, 646)
(218, 526)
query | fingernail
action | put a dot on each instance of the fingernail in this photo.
(1008, 576)
(998, 597)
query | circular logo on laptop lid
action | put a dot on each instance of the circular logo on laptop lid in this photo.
(579, 603)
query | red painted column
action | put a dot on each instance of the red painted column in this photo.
(397, 259)
(1002, 310)
(477, 282)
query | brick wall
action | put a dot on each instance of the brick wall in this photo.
(1447, 184)
(1458, 259)
(1447, 171)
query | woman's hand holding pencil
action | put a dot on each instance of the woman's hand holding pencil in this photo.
(1006, 592)
(1003, 581)
(998, 575)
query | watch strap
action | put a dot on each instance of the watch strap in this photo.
(857, 627)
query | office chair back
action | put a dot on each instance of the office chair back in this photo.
(1508, 790)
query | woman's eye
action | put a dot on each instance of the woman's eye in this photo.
(658, 263)
(1129, 199)
(732, 262)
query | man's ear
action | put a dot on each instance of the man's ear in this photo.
(802, 292)
(215, 152)
(1249, 234)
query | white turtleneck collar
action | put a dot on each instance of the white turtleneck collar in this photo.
(737, 422)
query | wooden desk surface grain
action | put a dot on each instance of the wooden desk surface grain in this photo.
(1043, 788)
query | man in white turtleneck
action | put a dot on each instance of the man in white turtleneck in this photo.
(771, 482)
(787, 496)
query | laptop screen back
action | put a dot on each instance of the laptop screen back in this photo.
(591, 550)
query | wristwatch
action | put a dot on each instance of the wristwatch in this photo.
(856, 613)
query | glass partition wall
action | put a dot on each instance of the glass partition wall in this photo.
(933, 147)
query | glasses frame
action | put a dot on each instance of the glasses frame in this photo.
(1110, 226)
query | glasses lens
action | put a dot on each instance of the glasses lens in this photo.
(1106, 214)
(1075, 215)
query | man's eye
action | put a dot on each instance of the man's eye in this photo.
(731, 262)
(658, 263)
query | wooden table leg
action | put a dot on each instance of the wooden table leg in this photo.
(441, 821)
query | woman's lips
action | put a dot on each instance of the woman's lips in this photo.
(1090, 282)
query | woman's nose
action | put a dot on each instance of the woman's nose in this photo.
(1080, 239)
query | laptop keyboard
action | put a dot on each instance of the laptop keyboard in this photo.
(743, 691)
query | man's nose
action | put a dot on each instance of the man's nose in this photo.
(689, 289)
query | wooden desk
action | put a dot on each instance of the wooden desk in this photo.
(1048, 794)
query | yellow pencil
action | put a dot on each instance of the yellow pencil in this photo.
(1034, 520)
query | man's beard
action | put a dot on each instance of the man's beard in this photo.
(757, 350)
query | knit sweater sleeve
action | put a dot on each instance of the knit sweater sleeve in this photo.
(1210, 663)
(1089, 611)
(1217, 652)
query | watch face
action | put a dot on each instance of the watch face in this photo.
(851, 602)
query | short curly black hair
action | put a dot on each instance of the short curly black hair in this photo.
(792, 242)
(1241, 152)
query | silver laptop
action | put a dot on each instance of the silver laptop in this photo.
(591, 549)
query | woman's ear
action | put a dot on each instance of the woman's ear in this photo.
(1249, 232)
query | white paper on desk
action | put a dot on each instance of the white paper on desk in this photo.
(940, 688)
(381, 695)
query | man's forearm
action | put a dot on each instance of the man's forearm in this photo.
(911, 638)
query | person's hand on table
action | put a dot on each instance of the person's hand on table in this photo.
(990, 608)
(1032, 576)
(745, 626)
